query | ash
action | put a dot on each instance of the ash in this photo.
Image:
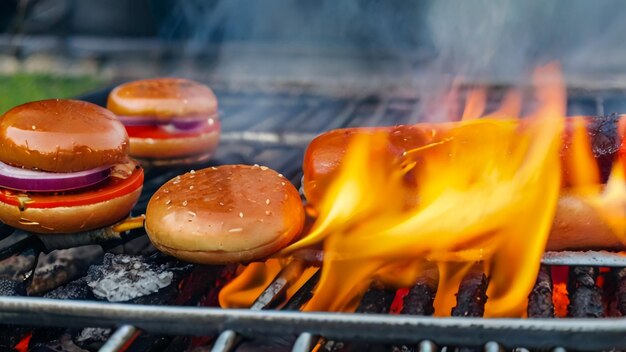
(89, 336)
(122, 278)
(11, 288)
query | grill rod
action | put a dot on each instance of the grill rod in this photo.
(572, 333)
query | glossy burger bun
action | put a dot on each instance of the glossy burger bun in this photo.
(226, 214)
(166, 99)
(64, 136)
(59, 135)
(72, 219)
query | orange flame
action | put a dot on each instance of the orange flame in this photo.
(482, 190)
(488, 192)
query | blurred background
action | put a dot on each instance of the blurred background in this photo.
(59, 48)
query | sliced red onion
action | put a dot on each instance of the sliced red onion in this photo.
(180, 122)
(140, 120)
(19, 179)
(186, 125)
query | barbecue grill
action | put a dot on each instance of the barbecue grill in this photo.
(273, 127)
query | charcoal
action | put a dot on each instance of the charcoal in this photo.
(11, 288)
(605, 142)
(585, 298)
(75, 290)
(377, 300)
(540, 303)
(471, 298)
(419, 300)
(620, 275)
(123, 278)
(62, 266)
(17, 267)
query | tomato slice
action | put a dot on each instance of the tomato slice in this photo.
(165, 132)
(111, 188)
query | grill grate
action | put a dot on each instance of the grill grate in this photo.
(273, 128)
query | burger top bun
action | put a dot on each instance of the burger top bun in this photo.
(61, 135)
(162, 98)
(226, 214)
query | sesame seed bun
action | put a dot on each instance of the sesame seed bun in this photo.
(226, 214)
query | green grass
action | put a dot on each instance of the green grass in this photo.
(20, 88)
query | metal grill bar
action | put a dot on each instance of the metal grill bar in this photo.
(530, 333)
(303, 343)
(120, 338)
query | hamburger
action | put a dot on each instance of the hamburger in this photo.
(169, 120)
(225, 214)
(64, 167)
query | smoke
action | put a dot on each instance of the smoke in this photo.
(480, 39)
(504, 40)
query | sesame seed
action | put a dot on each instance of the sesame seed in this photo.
(237, 229)
(267, 201)
(168, 202)
(184, 203)
(241, 215)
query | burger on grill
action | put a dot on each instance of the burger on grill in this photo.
(64, 167)
(169, 120)
(225, 214)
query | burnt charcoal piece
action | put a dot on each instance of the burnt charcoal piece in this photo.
(585, 298)
(471, 298)
(377, 300)
(11, 288)
(419, 300)
(605, 141)
(620, 275)
(540, 303)
(62, 266)
(123, 278)
(75, 290)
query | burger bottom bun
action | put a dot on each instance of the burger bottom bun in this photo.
(71, 219)
(223, 257)
(193, 148)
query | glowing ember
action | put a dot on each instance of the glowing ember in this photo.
(22, 346)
